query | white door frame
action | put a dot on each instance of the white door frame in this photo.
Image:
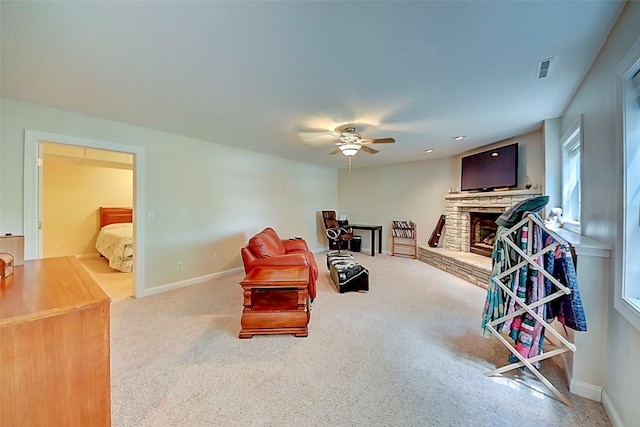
(33, 201)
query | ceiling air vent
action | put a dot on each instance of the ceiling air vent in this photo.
(543, 68)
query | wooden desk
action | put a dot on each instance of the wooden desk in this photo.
(54, 346)
(276, 301)
(373, 228)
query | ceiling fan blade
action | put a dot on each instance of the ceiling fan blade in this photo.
(317, 138)
(368, 149)
(312, 130)
(378, 141)
(337, 150)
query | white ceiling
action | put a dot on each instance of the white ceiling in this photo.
(276, 76)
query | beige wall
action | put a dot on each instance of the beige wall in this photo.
(530, 158)
(72, 195)
(416, 190)
(208, 199)
(602, 204)
(409, 191)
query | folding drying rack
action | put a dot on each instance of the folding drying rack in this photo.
(526, 257)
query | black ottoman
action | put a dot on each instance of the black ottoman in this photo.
(346, 273)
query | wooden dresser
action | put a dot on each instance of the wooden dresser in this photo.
(54, 346)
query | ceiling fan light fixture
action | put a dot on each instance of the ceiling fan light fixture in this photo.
(350, 138)
(350, 150)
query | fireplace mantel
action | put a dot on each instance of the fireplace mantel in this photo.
(459, 205)
(504, 193)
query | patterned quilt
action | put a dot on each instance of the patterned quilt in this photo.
(115, 242)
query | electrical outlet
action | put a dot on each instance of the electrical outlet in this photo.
(56, 247)
(180, 265)
(214, 258)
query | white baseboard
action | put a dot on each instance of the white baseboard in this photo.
(188, 282)
(611, 410)
(577, 387)
(585, 390)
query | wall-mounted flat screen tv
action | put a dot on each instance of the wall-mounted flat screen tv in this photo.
(491, 169)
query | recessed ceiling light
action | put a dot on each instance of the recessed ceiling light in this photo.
(428, 150)
(459, 138)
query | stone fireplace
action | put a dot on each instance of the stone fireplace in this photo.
(470, 218)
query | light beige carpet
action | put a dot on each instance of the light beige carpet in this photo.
(116, 284)
(407, 353)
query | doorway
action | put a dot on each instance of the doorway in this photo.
(33, 194)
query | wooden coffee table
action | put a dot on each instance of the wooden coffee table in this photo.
(276, 301)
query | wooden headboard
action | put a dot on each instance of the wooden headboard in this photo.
(115, 215)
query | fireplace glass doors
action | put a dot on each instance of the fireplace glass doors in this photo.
(482, 232)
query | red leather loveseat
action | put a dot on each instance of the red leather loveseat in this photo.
(266, 248)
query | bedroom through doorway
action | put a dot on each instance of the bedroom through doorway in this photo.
(76, 183)
(67, 180)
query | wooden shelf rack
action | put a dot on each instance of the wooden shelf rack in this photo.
(404, 236)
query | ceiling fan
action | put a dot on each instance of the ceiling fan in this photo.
(351, 142)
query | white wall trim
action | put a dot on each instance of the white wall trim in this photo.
(575, 125)
(193, 281)
(32, 140)
(611, 410)
(629, 63)
(586, 390)
(576, 130)
(584, 245)
(577, 387)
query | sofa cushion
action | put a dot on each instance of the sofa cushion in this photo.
(263, 249)
(295, 245)
(276, 239)
(263, 245)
